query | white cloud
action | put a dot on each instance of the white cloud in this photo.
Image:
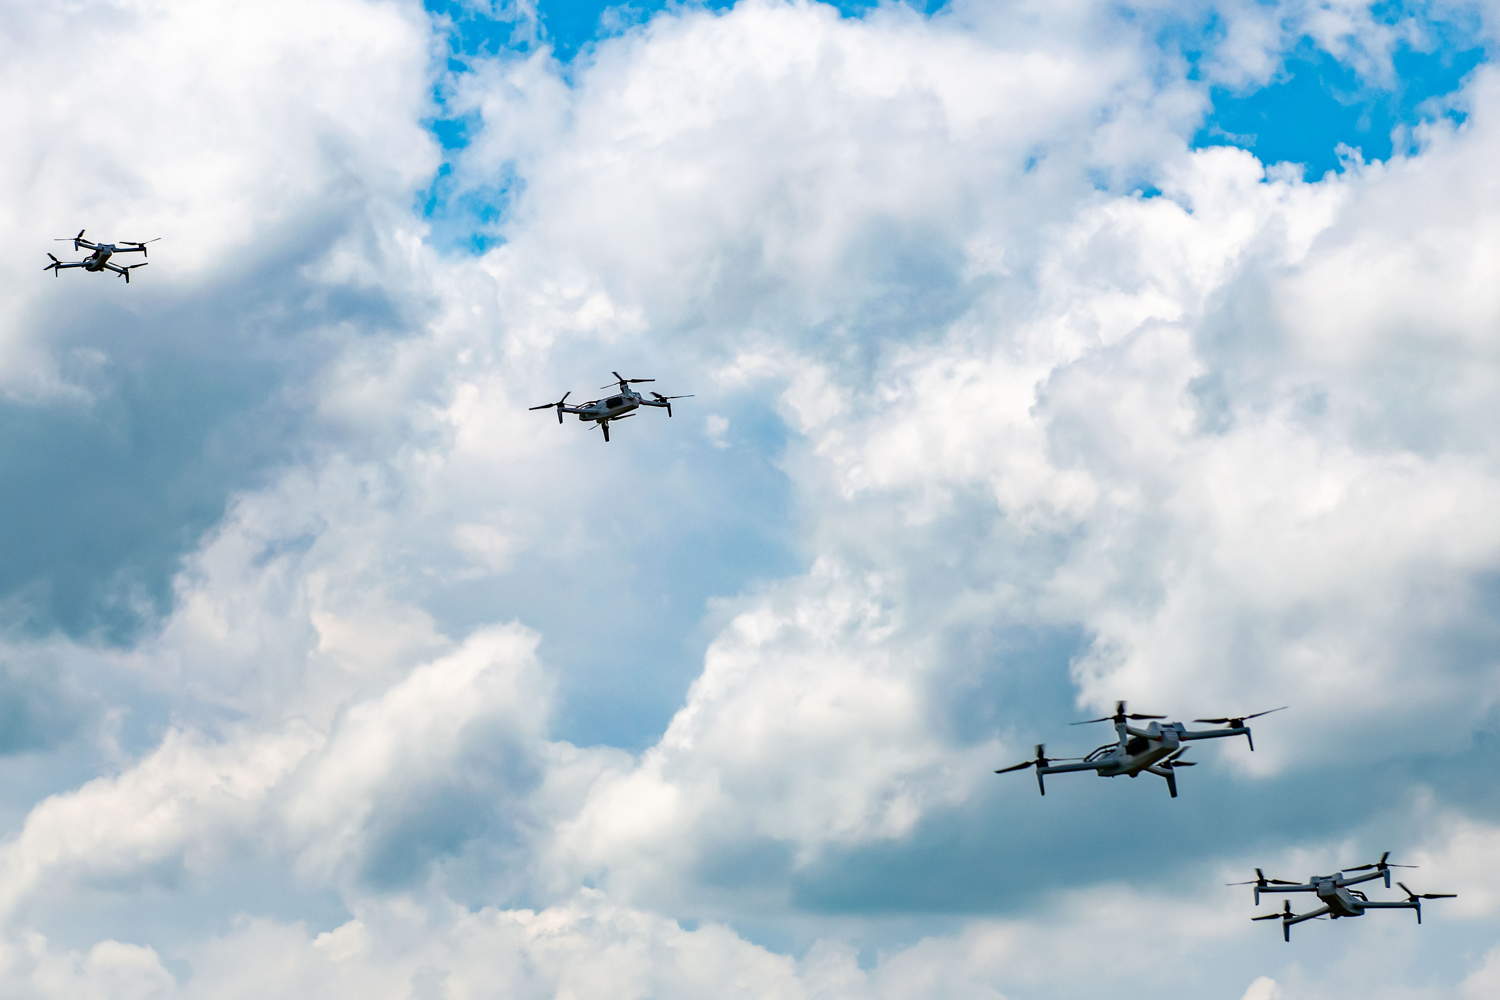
(1233, 437)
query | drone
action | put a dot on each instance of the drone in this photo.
(1338, 899)
(99, 259)
(616, 407)
(1157, 749)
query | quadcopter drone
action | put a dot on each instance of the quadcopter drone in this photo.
(1338, 899)
(616, 407)
(99, 259)
(1157, 749)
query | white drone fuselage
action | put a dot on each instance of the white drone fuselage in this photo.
(619, 405)
(1137, 749)
(611, 407)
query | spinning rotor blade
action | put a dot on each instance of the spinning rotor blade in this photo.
(558, 404)
(1412, 897)
(1380, 865)
(664, 399)
(1040, 762)
(1236, 721)
(140, 243)
(1118, 717)
(54, 266)
(125, 271)
(1016, 767)
(622, 381)
(1285, 914)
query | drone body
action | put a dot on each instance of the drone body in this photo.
(617, 407)
(98, 260)
(1157, 749)
(1338, 899)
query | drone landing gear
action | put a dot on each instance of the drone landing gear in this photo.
(604, 426)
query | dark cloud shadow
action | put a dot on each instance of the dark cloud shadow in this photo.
(202, 390)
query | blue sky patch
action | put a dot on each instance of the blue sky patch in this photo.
(1317, 103)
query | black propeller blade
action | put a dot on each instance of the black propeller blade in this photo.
(1415, 898)
(125, 271)
(1261, 880)
(1380, 865)
(54, 266)
(558, 404)
(1285, 914)
(140, 243)
(1237, 721)
(1262, 883)
(663, 399)
(622, 381)
(1119, 717)
(1412, 897)
(1040, 761)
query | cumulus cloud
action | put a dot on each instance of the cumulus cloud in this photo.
(481, 705)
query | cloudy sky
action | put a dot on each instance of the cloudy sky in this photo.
(1045, 353)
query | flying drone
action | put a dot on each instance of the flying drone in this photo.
(616, 407)
(1157, 749)
(99, 259)
(1337, 898)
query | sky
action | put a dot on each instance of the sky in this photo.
(1042, 355)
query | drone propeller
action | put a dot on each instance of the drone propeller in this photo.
(1119, 717)
(1285, 916)
(1262, 883)
(1238, 721)
(125, 271)
(663, 399)
(1285, 913)
(140, 243)
(1042, 760)
(622, 381)
(1039, 762)
(54, 266)
(1380, 865)
(1415, 898)
(1261, 880)
(558, 404)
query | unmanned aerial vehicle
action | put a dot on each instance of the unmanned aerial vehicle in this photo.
(616, 407)
(1337, 898)
(99, 259)
(1157, 749)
